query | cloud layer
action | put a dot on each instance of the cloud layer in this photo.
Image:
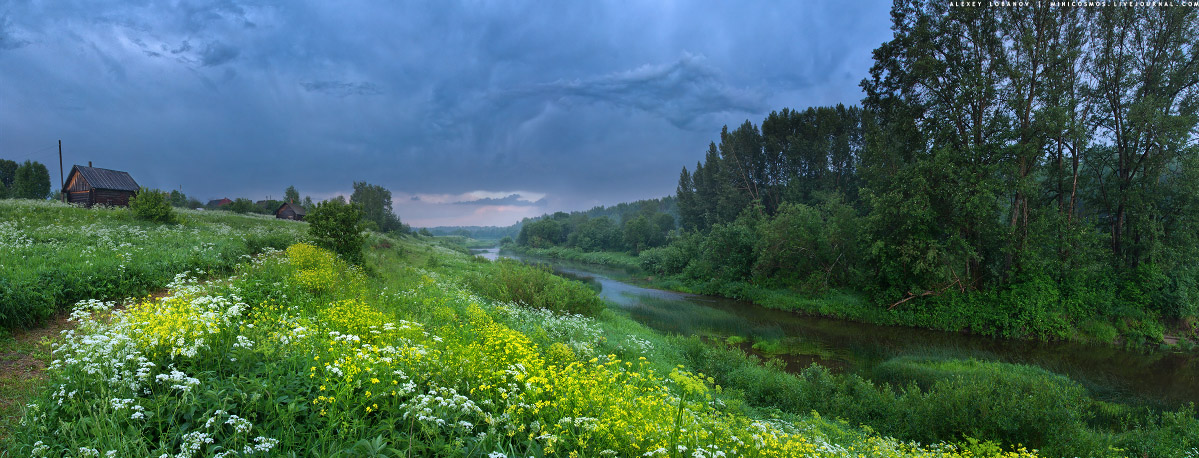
(580, 103)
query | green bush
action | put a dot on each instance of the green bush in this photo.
(535, 286)
(337, 227)
(152, 205)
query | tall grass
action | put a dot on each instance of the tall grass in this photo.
(603, 258)
(53, 254)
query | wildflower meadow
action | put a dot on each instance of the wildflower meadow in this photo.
(53, 253)
(297, 353)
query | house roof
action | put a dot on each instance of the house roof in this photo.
(219, 202)
(100, 178)
(294, 207)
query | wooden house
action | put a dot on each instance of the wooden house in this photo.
(92, 185)
(214, 203)
(291, 211)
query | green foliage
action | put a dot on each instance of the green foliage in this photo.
(375, 202)
(1023, 218)
(542, 233)
(178, 199)
(631, 227)
(8, 172)
(603, 258)
(931, 400)
(337, 226)
(291, 195)
(535, 286)
(31, 180)
(57, 254)
(241, 205)
(152, 205)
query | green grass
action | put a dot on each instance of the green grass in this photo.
(53, 254)
(601, 258)
(311, 357)
(262, 362)
(928, 399)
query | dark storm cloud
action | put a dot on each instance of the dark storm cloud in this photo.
(585, 102)
(8, 37)
(681, 91)
(217, 53)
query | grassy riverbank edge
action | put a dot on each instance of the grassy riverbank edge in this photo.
(987, 314)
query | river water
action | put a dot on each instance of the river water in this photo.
(846, 346)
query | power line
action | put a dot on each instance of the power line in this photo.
(34, 153)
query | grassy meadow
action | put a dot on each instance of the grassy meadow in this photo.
(427, 351)
(53, 255)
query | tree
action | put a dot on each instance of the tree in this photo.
(1145, 96)
(376, 205)
(543, 233)
(31, 181)
(337, 227)
(291, 195)
(8, 172)
(308, 202)
(241, 205)
(177, 198)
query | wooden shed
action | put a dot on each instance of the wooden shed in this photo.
(291, 211)
(92, 185)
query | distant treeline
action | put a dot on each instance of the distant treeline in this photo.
(477, 232)
(632, 227)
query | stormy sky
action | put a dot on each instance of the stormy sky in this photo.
(471, 113)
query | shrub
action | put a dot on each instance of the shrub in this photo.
(337, 227)
(152, 205)
(533, 286)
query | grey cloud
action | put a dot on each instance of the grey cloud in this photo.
(217, 53)
(511, 199)
(342, 88)
(682, 91)
(8, 39)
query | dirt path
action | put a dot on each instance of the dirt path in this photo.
(23, 360)
(24, 357)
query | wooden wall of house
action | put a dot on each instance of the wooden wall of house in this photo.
(79, 197)
(286, 213)
(114, 198)
(77, 183)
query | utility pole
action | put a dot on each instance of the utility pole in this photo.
(61, 184)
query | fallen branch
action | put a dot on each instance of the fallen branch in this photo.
(957, 281)
(912, 296)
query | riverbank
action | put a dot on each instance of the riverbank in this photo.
(1004, 314)
(902, 395)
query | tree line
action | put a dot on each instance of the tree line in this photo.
(28, 180)
(1042, 148)
(631, 227)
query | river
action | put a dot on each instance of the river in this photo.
(846, 346)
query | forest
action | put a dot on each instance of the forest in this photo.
(1021, 172)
